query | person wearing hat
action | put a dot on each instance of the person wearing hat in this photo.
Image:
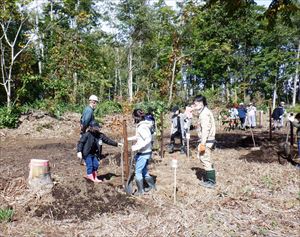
(242, 111)
(207, 131)
(177, 130)
(251, 115)
(89, 149)
(88, 114)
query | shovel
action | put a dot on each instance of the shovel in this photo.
(254, 148)
(128, 186)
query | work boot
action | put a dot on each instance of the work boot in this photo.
(96, 180)
(150, 181)
(171, 148)
(210, 179)
(182, 150)
(140, 186)
(90, 177)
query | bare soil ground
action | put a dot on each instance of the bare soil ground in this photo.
(255, 195)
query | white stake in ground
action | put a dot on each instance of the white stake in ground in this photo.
(188, 136)
(174, 165)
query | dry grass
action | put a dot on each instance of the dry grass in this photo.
(252, 198)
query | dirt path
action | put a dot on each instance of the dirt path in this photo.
(255, 195)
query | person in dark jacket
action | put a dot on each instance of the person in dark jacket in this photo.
(242, 112)
(88, 114)
(89, 148)
(277, 116)
(177, 128)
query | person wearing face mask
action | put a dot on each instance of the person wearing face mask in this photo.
(207, 131)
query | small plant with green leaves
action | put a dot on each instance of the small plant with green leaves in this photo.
(9, 117)
(6, 214)
(268, 181)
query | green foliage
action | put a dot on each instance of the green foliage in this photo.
(9, 117)
(223, 46)
(294, 110)
(156, 108)
(6, 214)
(55, 109)
(108, 107)
(213, 97)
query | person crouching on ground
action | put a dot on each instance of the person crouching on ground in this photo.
(207, 131)
(89, 148)
(143, 147)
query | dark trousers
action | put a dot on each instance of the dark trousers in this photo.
(176, 135)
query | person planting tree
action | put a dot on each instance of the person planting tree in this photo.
(89, 149)
(207, 132)
(143, 147)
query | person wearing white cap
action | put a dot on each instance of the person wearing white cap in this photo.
(88, 114)
(251, 114)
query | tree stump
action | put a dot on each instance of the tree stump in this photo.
(39, 174)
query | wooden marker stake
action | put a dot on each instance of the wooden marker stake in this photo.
(174, 165)
(125, 150)
(270, 122)
(162, 136)
(188, 136)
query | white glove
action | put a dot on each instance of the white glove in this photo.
(79, 155)
(120, 144)
(134, 148)
(291, 118)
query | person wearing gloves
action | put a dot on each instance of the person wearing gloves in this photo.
(143, 147)
(88, 114)
(296, 123)
(207, 132)
(89, 148)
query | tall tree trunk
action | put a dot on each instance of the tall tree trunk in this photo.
(296, 79)
(39, 43)
(274, 95)
(130, 80)
(172, 81)
(227, 93)
(75, 81)
(117, 73)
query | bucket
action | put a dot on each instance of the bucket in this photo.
(39, 168)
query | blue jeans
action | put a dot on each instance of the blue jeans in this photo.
(299, 147)
(141, 165)
(92, 164)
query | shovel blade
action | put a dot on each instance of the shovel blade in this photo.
(128, 188)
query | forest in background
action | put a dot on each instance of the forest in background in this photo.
(55, 54)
